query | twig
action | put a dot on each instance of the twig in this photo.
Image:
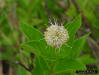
(47, 9)
(30, 68)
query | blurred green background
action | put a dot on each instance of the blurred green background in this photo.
(35, 13)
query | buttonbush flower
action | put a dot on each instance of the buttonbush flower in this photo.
(56, 35)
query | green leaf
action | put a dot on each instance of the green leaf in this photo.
(37, 47)
(40, 48)
(72, 28)
(78, 46)
(41, 67)
(31, 32)
(64, 51)
(65, 64)
(68, 72)
(87, 59)
(22, 71)
(72, 51)
(37, 68)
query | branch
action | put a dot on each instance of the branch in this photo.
(30, 68)
(47, 9)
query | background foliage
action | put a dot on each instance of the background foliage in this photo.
(80, 18)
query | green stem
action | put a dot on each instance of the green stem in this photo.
(51, 69)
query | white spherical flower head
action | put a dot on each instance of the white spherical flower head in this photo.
(56, 36)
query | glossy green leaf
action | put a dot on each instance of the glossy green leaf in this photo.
(41, 67)
(22, 71)
(31, 32)
(87, 59)
(62, 65)
(40, 48)
(37, 47)
(67, 72)
(72, 28)
(64, 51)
(78, 46)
